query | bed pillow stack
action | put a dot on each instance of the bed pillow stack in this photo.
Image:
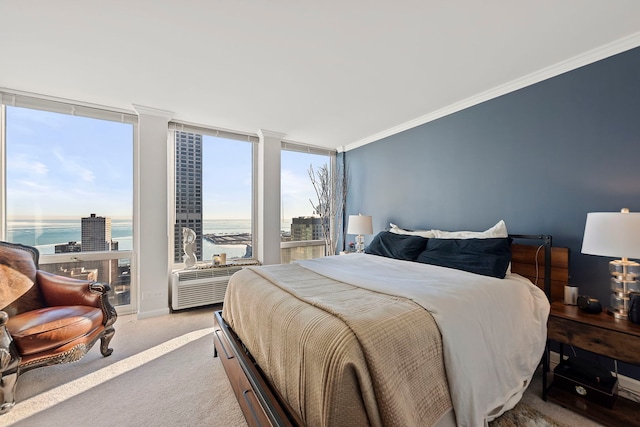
(482, 252)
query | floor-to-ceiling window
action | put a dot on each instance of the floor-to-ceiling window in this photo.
(306, 184)
(213, 192)
(68, 189)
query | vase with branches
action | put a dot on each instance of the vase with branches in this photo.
(330, 186)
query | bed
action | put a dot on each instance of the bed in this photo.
(364, 339)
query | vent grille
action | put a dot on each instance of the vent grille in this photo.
(209, 273)
(196, 294)
(194, 288)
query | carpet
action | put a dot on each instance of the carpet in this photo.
(522, 415)
(162, 373)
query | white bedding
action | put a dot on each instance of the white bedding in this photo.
(493, 330)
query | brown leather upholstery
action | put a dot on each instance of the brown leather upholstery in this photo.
(46, 318)
(46, 329)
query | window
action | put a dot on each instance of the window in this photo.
(213, 191)
(303, 219)
(69, 189)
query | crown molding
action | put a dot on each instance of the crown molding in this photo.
(618, 46)
(150, 111)
(264, 134)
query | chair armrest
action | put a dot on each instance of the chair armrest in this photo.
(60, 290)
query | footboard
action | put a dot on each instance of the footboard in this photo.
(259, 403)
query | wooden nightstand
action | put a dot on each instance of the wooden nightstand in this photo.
(600, 334)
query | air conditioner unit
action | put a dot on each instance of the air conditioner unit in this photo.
(193, 288)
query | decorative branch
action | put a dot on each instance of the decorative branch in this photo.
(331, 193)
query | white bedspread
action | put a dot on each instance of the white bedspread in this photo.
(493, 330)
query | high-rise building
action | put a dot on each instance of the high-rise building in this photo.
(188, 190)
(96, 233)
(67, 248)
(96, 236)
(306, 228)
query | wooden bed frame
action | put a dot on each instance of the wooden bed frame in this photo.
(544, 265)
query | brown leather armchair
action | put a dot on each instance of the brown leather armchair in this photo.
(46, 319)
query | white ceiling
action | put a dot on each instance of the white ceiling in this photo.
(330, 73)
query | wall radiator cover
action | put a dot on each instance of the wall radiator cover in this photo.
(197, 287)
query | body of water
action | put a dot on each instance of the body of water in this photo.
(46, 234)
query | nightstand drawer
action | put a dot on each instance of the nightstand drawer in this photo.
(601, 334)
(606, 342)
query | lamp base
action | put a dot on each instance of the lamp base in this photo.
(360, 243)
(624, 280)
(618, 313)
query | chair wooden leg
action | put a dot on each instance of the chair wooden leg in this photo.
(8, 390)
(9, 367)
(105, 340)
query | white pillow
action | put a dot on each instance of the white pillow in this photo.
(498, 230)
(422, 233)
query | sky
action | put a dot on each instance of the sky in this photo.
(63, 166)
(227, 180)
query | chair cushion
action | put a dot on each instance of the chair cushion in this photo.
(48, 328)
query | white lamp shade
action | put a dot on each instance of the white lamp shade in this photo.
(613, 234)
(360, 224)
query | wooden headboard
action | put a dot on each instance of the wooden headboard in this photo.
(523, 262)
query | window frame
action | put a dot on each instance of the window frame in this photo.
(251, 138)
(55, 105)
(332, 157)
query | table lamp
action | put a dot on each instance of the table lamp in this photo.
(360, 224)
(616, 234)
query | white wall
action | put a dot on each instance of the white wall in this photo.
(268, 193)
(151, 212)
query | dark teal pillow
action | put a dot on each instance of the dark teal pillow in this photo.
(488, 257)
(397, 246)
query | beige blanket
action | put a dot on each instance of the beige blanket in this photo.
(340, 354)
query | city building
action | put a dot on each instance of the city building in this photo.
(96, 233)
(303, 228)
(68, 247)
(306, 228)
(188, 190)
(96, 236)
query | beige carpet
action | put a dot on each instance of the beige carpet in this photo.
(162, 373)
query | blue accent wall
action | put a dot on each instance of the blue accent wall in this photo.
(540, 158)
